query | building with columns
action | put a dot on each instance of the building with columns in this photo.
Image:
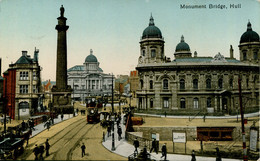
(192, 83)
(88, 79)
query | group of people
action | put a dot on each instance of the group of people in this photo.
(111, 124)
(39, 150)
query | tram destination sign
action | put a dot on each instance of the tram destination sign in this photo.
(179, 137)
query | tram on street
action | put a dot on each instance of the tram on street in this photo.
(94, 105)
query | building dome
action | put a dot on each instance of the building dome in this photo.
(152, 31)
(249, 35)
(91, 58)
(182, 46)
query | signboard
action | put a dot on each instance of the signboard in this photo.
(179, 137)
(253, 139)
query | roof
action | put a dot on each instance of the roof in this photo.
(202, 59)
(249, 35)
(91, 58)
(152, 31)
(182, 46)
(76, 68)
(24, 60)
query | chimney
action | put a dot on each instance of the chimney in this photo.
(195, 54)
(35, 57)
(231, 52)
(24, 53)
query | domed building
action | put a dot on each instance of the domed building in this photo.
(88, 79)
(191, 84)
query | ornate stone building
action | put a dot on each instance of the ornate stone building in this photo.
(88, 79)
(193, 83)
(22, 85)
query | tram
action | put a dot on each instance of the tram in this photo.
(93, 105)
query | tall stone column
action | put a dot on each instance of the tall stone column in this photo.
(61, 91)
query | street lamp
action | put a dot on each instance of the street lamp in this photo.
(113, 117)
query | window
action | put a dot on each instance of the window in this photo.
(166, 102)
(34, 76)
(231, 83)
(195, 84)
(209, 102)
(151, 103)
(24, 76)
(247, 83)
(182, 84)
(220, 83)
(182, 102)
(255, 55)
(76, 87)
(23, 89)
(195, 103)
(143, 53)
(152, 53)
(93, 84)
(141, 84)
(244, 56)
(35, 89)
(208, 83)
(151, 84)
(82, 86)
(97, 84)
(165, 84)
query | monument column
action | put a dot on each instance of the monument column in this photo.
(61, 68)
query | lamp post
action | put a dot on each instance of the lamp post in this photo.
(113, 117)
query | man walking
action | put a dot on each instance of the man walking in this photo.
(154, 146)
(47, 146)
(164, 151)
(83, 147)
(36, 152)
(136, 145)
(193, 157)
(119, 132)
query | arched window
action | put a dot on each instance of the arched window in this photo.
(244, 56)
(182, 84)
(195, 83)
(152, 53)
(220, 83)
(165, 84)
(208, 102)
(143, 52)
(231, 83)
(141, 84)
(151, 84)
(195, 103)
(182, 102)
(208, 83)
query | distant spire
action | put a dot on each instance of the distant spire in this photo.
(151, 23)
(182, 38)
(249, 26)
(91, 52)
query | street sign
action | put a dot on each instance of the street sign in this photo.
(179, 137)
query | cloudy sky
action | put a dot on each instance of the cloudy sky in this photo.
(112, 28)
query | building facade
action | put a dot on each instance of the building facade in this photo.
(89, 80)
(193, 83)
(134, 82)
(21, 86)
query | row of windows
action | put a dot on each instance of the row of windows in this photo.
(153, 53)
(25, 76)
(24, 89)
(195, 83)
(255, 56)
(183, 103)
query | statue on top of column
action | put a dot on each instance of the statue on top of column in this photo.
(62, 11)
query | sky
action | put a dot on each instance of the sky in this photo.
(113, 28)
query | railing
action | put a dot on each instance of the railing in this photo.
(190, 119)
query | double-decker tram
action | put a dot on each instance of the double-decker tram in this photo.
(93, 105)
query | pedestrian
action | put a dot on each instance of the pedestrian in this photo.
(32, 124)
(164, 151)
(193, 157)
(119, 132)
(154, 146)
(47, 147)
(61, 116)
(136, 145)
(47, 124)
(41, 151)
(23, 126)
(83, 147)
(36, 152)
(218, 157)
(108, 130)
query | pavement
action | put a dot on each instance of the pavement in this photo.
(125, 149)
